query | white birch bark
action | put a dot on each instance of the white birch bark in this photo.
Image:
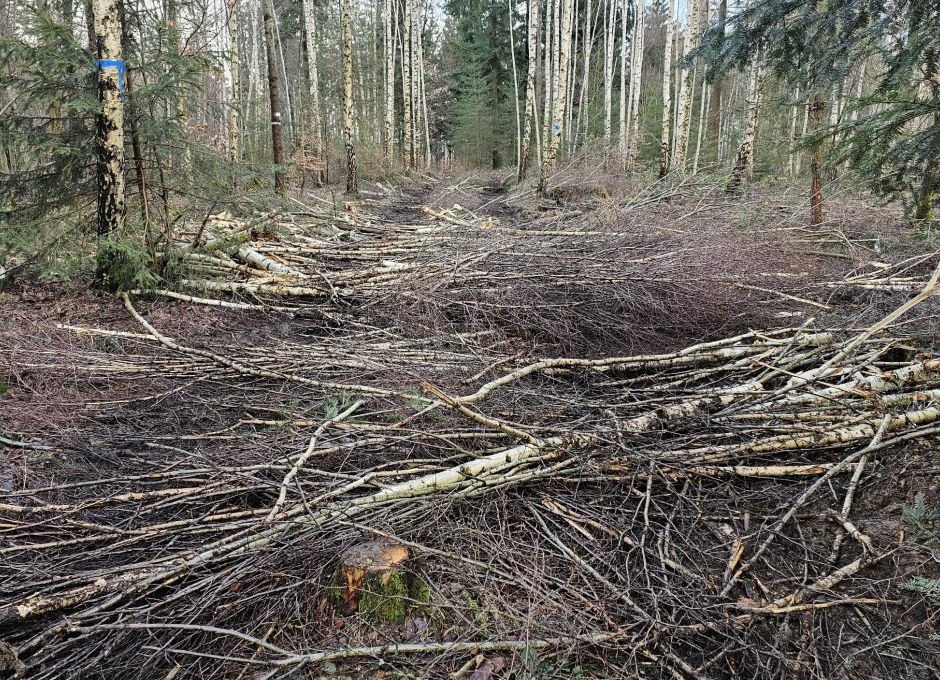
(636, 79)
(389, 148)
(530, 103)
(234, 113)
(667, 95)
(744, 164)
(352, 176)
(548, 163)
(686, 85)
(110, 121)
(622, 109)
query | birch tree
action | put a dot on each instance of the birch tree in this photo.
(636, 75)
(686, 85)
(530, 103)
(234, 111)
(314, 131)
(389, 120)
(667, 94)
(559, 94)
(352, 174)
(622, 109)
(744, 163)
(110, 120)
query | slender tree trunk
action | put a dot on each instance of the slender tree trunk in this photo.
(530, 103)
(686, 85)
(586, 72)
(515, 83)
(744, 164)
(609, 68)
(182, 105)
(234, 111)
(110, 121)
(622, 112)
(791, 152)
(549, 79)
(667, 96)
(559, 94)
(315, 131)
(274, 93)
(714, 122)
(815, 165)
(702, 117)
(389, 85)
(407, 88)
(352, 175)
(133, 115)
(636, 77)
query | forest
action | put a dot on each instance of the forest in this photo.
(480, 339)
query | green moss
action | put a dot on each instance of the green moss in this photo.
(387, 599)
(384, 598)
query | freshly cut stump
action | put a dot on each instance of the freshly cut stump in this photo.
(373, 579)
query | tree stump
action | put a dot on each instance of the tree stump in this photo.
(374, 580)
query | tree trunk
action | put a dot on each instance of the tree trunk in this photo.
(622, 112)
(133, 115)
(636, 78)
(352, 175)
(667, 95)
(515, 82)
(549, 80)
(530, 103)
(110, 121)
(609, 68)
(815, 166)
(583, 103)
(686, 85)
(406, 85)
(744, 164)
(235, 96)
(315, 132)
(714, 121)
(389, 149)
(274, 87)
(559, 94)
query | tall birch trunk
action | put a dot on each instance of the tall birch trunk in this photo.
(274, 93)
(686, 85)
(559, 94)
(530, 103)
(622, 112)
(234, 110)
(315, 131)
(744, 164)
(407, 88)
(389, 149)
(548, 82)
(636, 77)
(110, 121)
(717, 101)
(352, 175)
(791, 151)
(667, 95)
(583, 104)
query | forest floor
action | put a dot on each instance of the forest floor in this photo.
(643, 431)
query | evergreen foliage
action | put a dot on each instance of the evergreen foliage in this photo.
(894, 136)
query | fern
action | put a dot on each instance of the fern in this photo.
(928, 587)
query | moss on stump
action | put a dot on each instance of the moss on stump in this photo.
(375, 580)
